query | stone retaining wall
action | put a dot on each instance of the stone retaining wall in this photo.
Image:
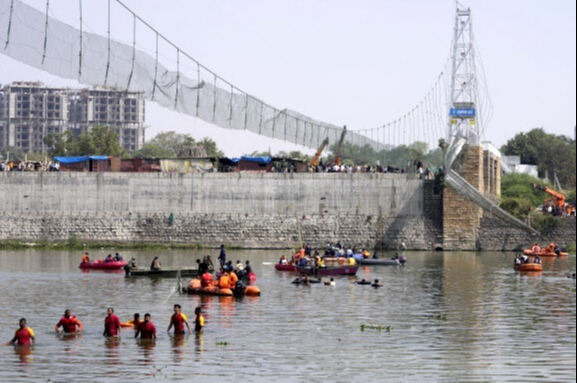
(496, 235)
(246, 209)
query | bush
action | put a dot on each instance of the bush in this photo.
(518, 207)
(546, 224)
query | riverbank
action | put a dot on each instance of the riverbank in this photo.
(75, 244)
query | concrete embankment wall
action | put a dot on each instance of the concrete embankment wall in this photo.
(240, 209)
(498, 236)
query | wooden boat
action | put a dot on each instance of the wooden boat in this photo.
(280, 267)
(168, 272)
(328, 271)
(544, 253)
(383, 262)
(529, 267)
(102, 265)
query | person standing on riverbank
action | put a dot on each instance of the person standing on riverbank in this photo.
(178, 321)
(24, 336)
(69, 323)
(111, 324)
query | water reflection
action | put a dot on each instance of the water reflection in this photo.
(147, 350)
(111, 352)
(199, 344)
(24, 353)
(178, 347)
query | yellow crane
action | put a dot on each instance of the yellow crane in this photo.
(340, 146)
(317, 157)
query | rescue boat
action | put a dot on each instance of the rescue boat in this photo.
(533, 267)
(102, 265)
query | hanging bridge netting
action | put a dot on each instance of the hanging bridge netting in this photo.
(148, 62)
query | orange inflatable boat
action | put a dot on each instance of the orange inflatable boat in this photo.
(194, 288)
(544, 253)
(529, 267)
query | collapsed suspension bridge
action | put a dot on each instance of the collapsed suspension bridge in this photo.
(457, 106)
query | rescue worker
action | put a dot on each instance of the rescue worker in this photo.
(145, 329)
(24, 336)
(233, 279)
(206, 280)
(178, 320)
(224, 281)
(69, 323)
(111, 324)
(198, 320)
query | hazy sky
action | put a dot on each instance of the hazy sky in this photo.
(359, 63)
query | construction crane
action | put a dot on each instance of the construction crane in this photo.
(558, 200)
(316, 158)
(339, 147)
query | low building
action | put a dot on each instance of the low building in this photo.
(513, 165)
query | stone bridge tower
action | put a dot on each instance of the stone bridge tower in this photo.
(478, 164)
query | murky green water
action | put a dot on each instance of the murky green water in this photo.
(454, 317)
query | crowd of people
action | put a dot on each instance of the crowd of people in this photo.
(521, 259)
(233, 277)
(70, 325)
(566, 211)
(29, 166)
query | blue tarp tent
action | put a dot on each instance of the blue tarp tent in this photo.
(76, 160)
(256, 160)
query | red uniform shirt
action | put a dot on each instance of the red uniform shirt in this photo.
(178, 323)
(23, 336)
(206, 280)
(111, 325)
(68, 324)
(147, 330)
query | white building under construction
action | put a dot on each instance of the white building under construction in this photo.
(30, 111)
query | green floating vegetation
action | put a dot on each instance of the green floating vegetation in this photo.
(222, 343)
(440, 316)
(375, 328)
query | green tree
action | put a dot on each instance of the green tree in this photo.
(12, 153)
(552, 154)
(100, 140)
(210, 147)
(172, 144)
(103, 140)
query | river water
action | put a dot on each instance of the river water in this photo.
(453, 317)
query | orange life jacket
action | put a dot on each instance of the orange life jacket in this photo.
(224, 282)
(233, 280)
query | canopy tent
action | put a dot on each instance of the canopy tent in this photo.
(79, 159)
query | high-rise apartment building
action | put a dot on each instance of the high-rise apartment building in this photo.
(30, 111)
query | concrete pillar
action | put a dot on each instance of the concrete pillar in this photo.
(461, 217)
